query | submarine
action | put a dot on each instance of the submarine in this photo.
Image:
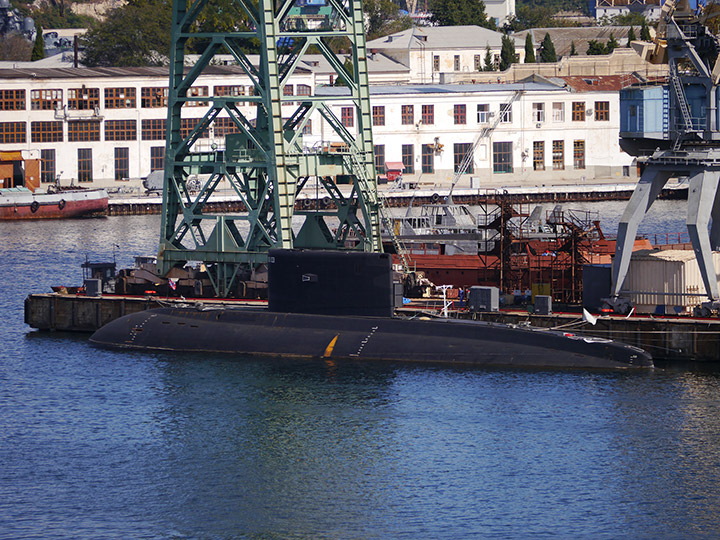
(340, 306)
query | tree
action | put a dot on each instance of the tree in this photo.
(14, 47)
(529, 50)
(460, 13)
(631, 36)
(645, 32)
(547, 50)
(534, 16)
(611, 45)
(382, 17)
(135, 34)
(595, 48)
(573, 52)
(489, 62)
(38, 52)
(507, 53)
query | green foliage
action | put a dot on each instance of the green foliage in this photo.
(55, 14)
(459, 13)
(529, 50)
(507, 53)
(547, 50)
(136, 34)
(595, 48)
(38, 52)
(627, 19)
(611, 45)
(220, 16)
(573, 52)
(489, 64)
(631, 36)
(382, 17)
(527, 17)
(645, 32)
(348, 65)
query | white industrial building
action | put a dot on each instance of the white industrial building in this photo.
(106, 126)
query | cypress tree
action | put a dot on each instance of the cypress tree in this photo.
(529, 50)
(489, 64)
(611, 45)
(645, 32)
(38, 52)
(547, 52)
(631, 36)
(507, 53)
(573, 52)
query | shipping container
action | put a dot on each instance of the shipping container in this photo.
(666, 281)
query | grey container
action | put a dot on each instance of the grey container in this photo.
(93, 287)
(484, 299)
(543, 304)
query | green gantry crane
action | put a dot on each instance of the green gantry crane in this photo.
(265, 161)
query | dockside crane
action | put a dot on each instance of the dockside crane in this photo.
(673, 128)
(264, 159)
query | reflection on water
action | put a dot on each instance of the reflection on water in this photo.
(104, 444)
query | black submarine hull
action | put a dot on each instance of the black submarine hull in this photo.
(250, 331)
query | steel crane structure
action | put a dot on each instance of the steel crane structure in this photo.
(265, 161)
(681, 131)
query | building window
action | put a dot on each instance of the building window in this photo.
(46, 131)
(558, 112)
(47, 165)
(83, 130)
(407, 115)
(456, 62)
(122, 163)
(12, 100)
(408, 158)
(579, 154)
(288, 90)
(188, 124)
(120, 130)
(347, 117)
(428, 115)
(229, 91)
(558, 155)
(428, 158)
(502, 157)
(153, 98)
(378, 115)
(303, 90)
(85, 165)
(307, 128)
(538, 112)
(153, 130)
(461, 157)
(478, 62)
(483, 113)
(83, 99)
(602, 111)
(13, 132)
(380, 158)
(196, 92)
(45, 100)
(157, 158)
(506, 113)
(460, 114)
(436, 63)
(225, 126)
(120, 98)
(539, 156)
(578, 111)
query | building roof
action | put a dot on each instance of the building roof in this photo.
(601, 83)
(442, 37)
(409, 89)
(563, 38)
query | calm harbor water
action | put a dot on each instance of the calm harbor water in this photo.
(101, 444)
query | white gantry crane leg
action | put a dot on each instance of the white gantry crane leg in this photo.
(702, 197)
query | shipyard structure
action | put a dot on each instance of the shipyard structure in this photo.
(106, 127)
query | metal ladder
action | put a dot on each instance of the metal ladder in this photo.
(383, 214)
(682, 104)
(485, 132)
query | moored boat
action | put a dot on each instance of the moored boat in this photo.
(21, 203)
